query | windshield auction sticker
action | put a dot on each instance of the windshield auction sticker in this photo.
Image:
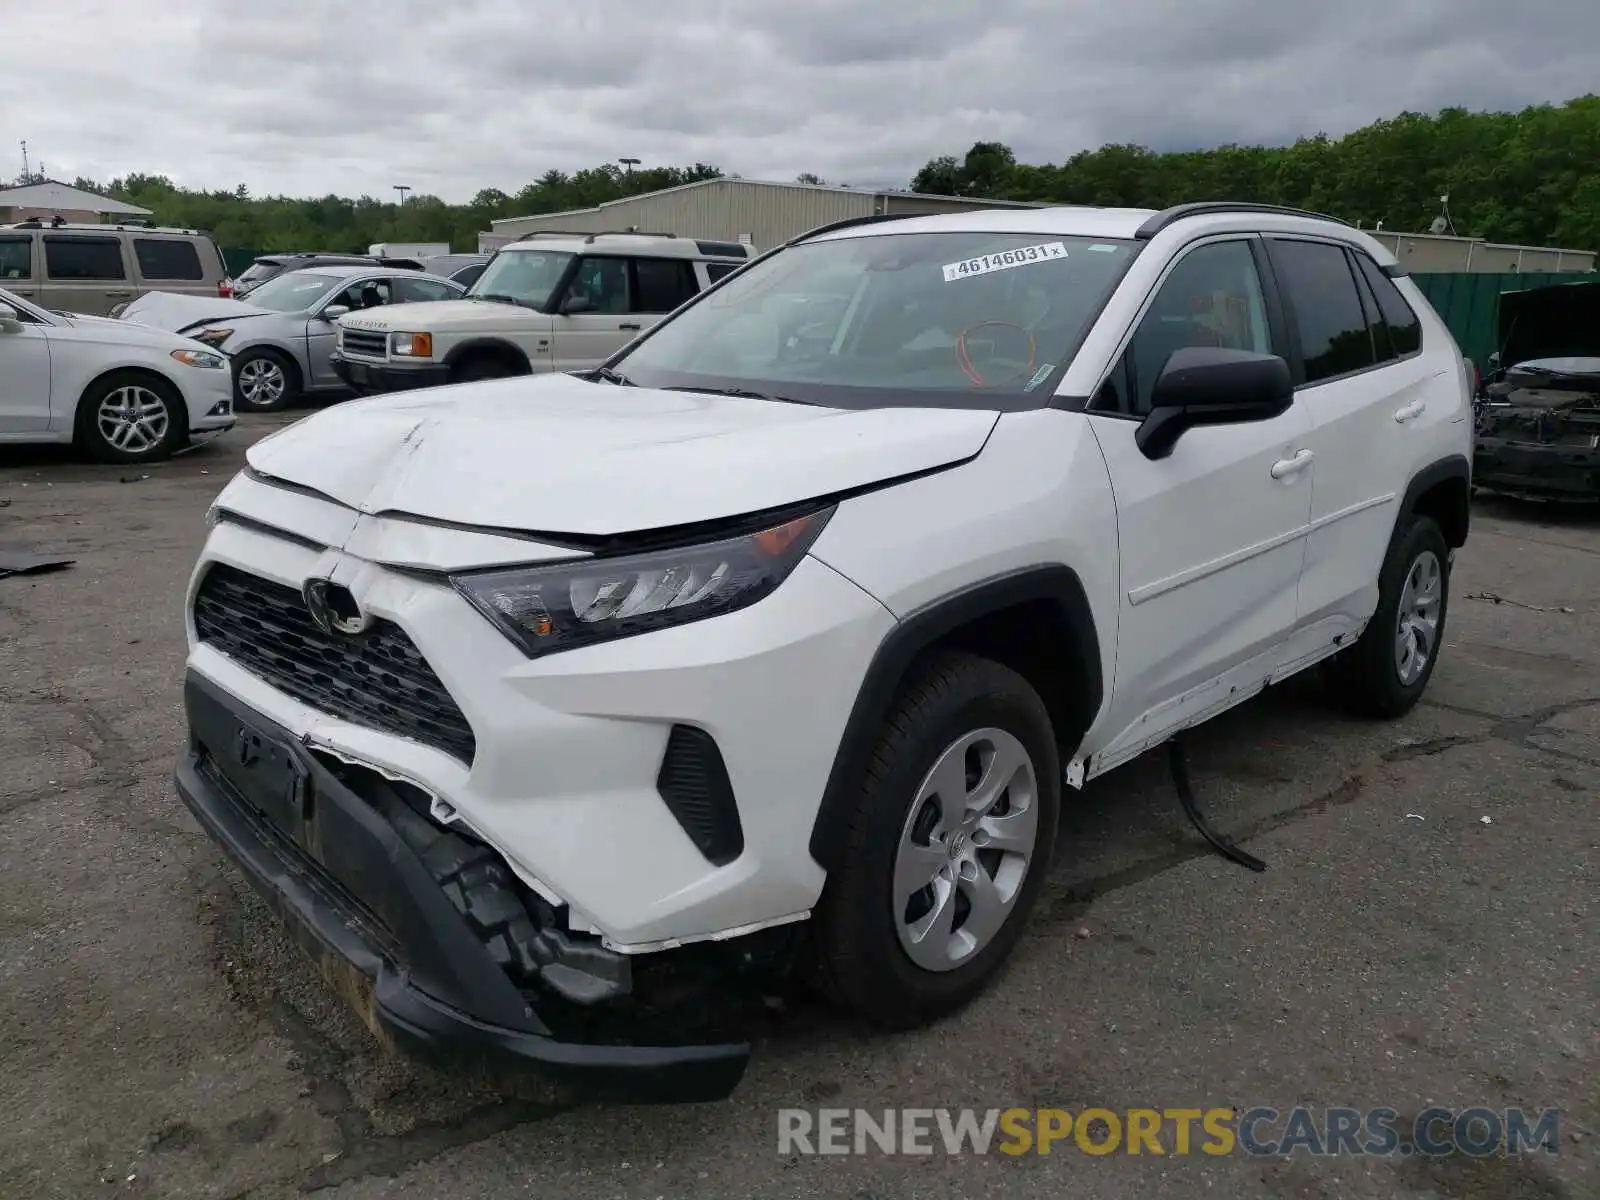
(1022, 256)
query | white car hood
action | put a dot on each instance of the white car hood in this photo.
(434, 316)
(116, 332)
(560, 455)
(174, 310)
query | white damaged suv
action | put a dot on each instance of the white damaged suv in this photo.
(559, 716)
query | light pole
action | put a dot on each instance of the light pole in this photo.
(629, 163)
(402, 188)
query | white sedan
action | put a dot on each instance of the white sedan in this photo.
(119, 391)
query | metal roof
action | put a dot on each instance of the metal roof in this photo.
(61, 196)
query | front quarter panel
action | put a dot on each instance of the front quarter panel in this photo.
(1037, 495)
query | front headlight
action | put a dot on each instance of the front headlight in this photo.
(411, 345)
(199, 358)
(212, 337)
(546, 610)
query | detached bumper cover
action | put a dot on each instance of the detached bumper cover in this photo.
(358, 898)
(1556, 471)
(388, 377)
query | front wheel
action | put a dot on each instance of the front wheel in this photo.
(1385, 673)
(130, 417)
(264, 381)
(949, 843)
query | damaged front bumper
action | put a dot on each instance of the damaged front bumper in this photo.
(429, 936)
(1538, 435)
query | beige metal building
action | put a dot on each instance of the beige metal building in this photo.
(1442, 254)
(53, 199)
(749, 210)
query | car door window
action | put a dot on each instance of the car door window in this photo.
(1320, 292)
(1405, 330)
(468, 276)
(412, 291)
(167, 258)
(16, 258)
(81, 258)
(1382, 341)
(604, 283)
(1211, 297)
(662, 284)
(368, 293)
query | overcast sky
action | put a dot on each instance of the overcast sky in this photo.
(306, 97)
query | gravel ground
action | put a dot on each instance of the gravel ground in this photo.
(162, 1038)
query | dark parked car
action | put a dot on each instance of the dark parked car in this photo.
(1538, 418)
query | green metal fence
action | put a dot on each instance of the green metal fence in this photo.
(1470, 303)
(237, 258)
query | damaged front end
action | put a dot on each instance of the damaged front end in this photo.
(1538, 431)
(436, 942)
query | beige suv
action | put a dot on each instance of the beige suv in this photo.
(97, 269)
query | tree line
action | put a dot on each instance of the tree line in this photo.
(1530, 177)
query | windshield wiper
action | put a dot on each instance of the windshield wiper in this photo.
(742, 393)
(616, 377)
(500, 298)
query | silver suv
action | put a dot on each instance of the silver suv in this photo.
(96, 270)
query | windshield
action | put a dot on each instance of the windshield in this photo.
(940, 319)
(526, 277)
(293, 291)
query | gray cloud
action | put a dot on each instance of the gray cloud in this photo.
(305, 97)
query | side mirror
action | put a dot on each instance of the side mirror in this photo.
(334, 311)
(9, 322)
(1204, 385)
(576, 304)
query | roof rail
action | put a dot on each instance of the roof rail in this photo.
(849, 223)
(1179, 212)
(589, 235)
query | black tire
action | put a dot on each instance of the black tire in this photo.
(856, 956)
(265, 360)
(93, 436)
(475, 369)
(1366, 678)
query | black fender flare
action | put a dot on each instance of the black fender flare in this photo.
(916, 633)
(1451, 467)
(499, 345)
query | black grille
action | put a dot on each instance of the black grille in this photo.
(694, 783)
(368, 345)
(378, 678)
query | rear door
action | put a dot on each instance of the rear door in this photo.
(1364, 382)
(86, 273)
(19, 269)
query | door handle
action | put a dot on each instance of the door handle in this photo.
(1286, 467)
(118, 293)
(1410, 412)
(630, 325)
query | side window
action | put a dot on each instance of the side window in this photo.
(369, 293)
(1405, 330)
(1321, 292)
(604, 283)
(662, 284)
(16, 258)
(715, 271)
(1212, 297)
(74, 258)
(468, 276)
(411, 291)
(1382, 343)
(167, 258)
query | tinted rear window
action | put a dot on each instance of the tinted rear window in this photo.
(16, 257)
(71, 257)
(257, 271)
(1334, 339)
(167, 258)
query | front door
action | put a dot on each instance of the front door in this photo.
(24, 378)
(605, 323)
(1212, 538)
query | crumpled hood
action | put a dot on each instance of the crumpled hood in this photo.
(432, 316)
(113, 331)
(558, 454)
(174, 311)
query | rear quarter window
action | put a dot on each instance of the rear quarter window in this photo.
(167, 258)
(16, 257)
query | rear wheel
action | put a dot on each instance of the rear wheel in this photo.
(130, 417)
(264, 381)
(1385, 673)
(950, 842)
